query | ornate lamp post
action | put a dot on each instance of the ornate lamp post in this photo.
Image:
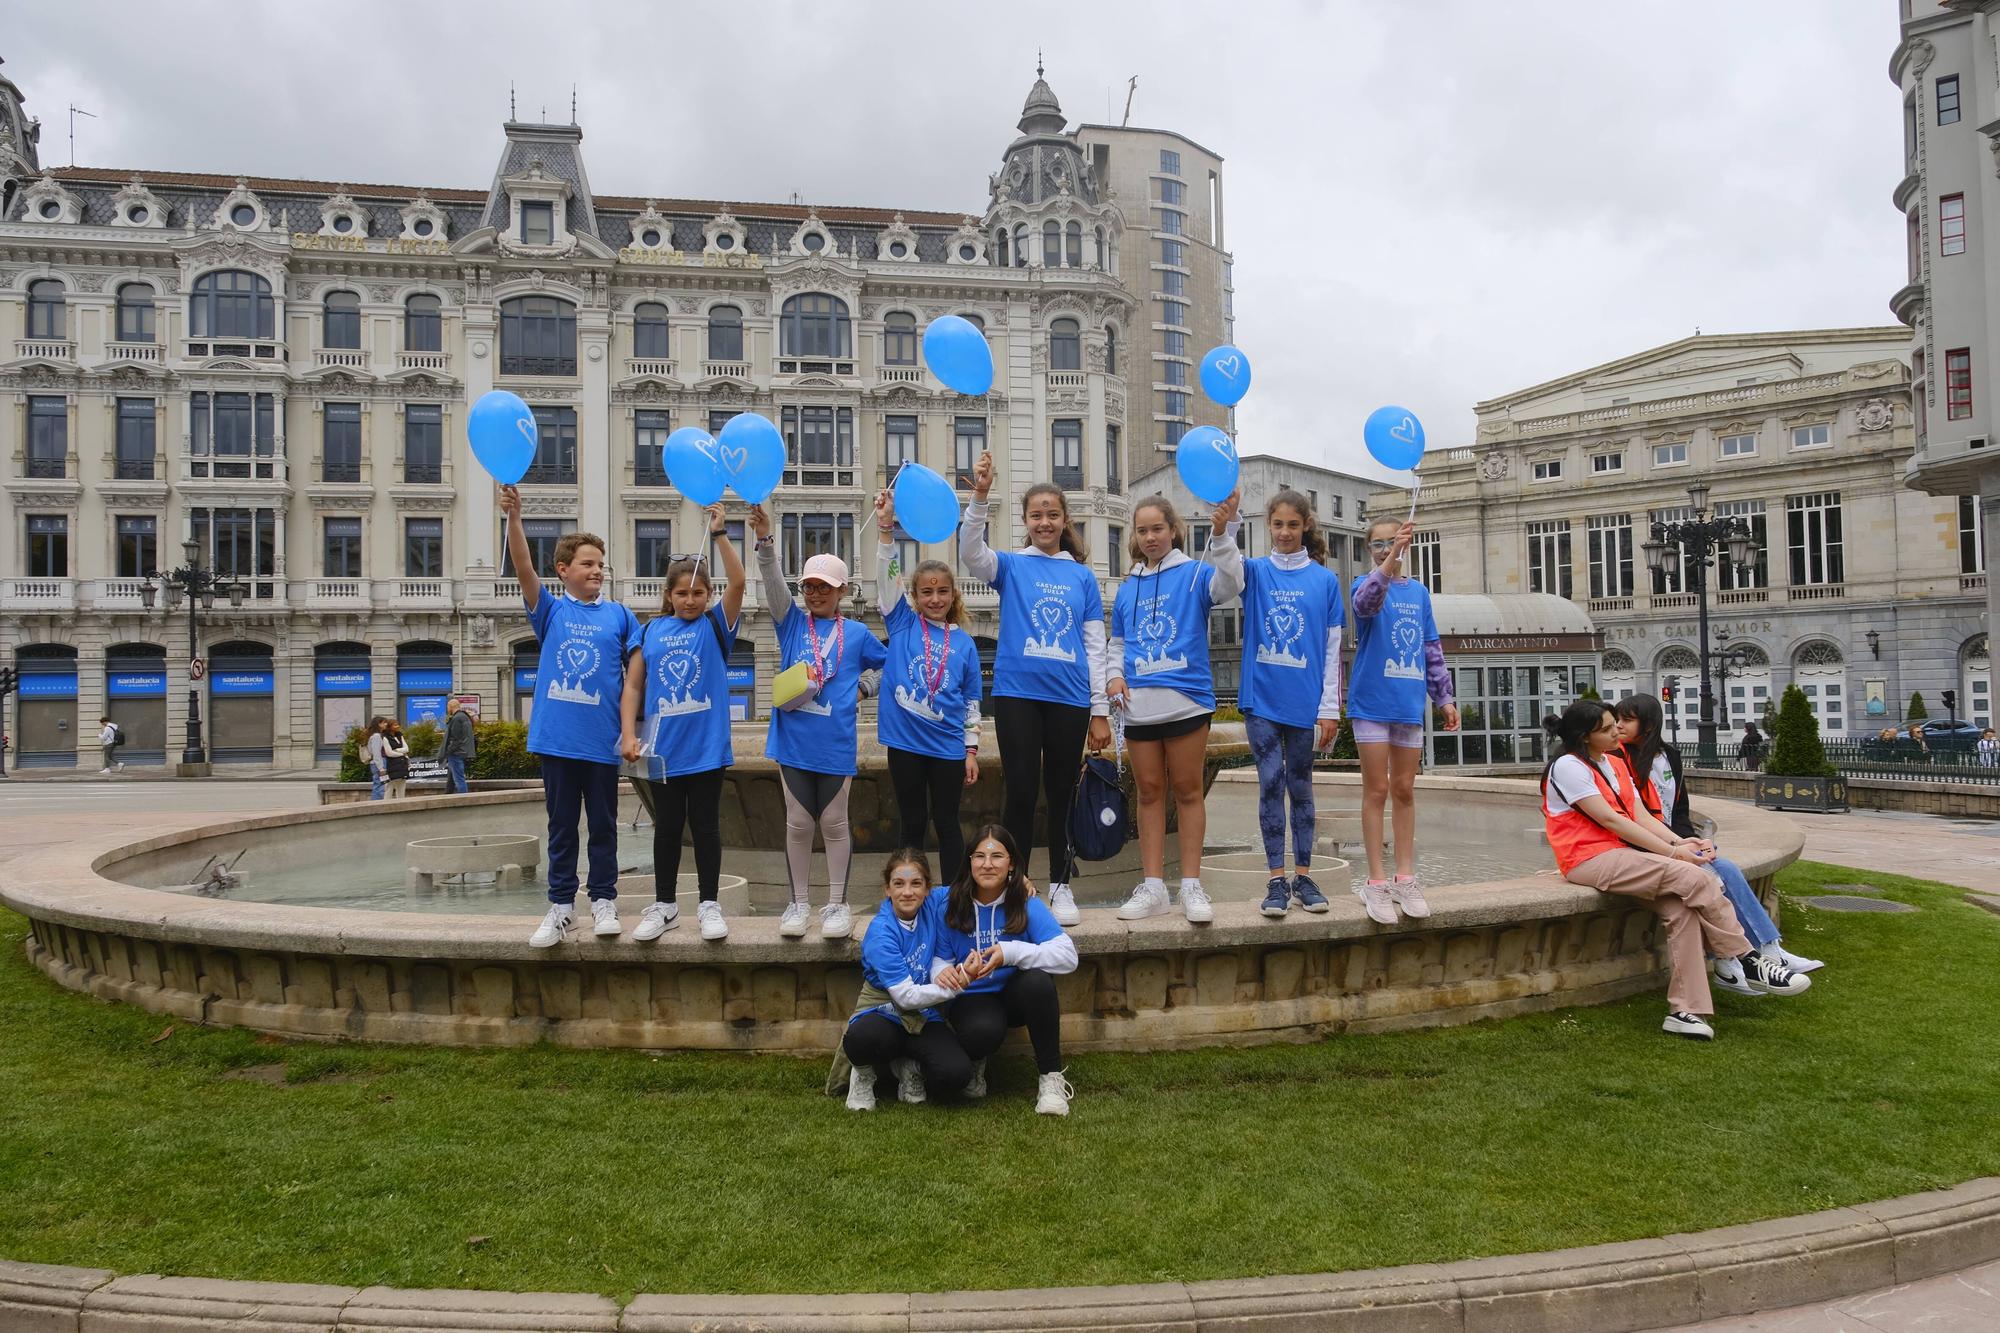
(197, 586)
(1703, 541)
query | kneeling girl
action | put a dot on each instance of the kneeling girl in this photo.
(896, 1024)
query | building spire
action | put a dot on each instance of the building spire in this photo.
(512, 114)
(1038, 62)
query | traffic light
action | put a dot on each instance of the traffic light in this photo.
(1667, 687)
(9, 680)
(1951, 701)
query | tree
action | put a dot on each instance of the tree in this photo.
(1796, 751)
(1917, 712)
(1589, 693)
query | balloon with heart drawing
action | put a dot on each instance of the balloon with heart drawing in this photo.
(1394, 436)
(502, 432)
(694, 465)
(751, 453)
(1225, 375)
(1208, 464)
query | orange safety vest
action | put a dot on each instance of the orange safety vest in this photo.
(1574, 836)
(1649, 795)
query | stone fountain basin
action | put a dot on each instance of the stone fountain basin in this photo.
(1494, 948)
(510, 856)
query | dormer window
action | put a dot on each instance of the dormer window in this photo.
(813, 241)
(243, 215)
(51, 209)
(725, 241)
(538, 223)
(344, 223)
(137, 215)
(422, 227)
(650, 238)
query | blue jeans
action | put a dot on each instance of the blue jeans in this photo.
(1284, 758)
(454, 768)
(1750, 914)
(376, 777)
(572, 787)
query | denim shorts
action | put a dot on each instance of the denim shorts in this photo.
(1402, 735)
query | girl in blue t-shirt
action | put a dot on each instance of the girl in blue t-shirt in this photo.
(814, 741)
(676, 719)
(1292, 617)
(1009, 948)
(1049, 668)
(1397, 662)
(897, 1024)
(928, 719)
(1162, 685)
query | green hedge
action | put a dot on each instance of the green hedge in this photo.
(502, 750)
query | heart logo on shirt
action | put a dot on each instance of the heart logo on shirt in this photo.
(1404, 431)
(734, 459)
(1051, 617)
(577, 658)
(677, 667)
(1154, 629)
(1285, 624)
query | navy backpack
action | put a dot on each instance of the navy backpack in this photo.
(1098, 824)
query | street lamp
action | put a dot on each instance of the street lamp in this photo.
(197, 586)
(1703, 540)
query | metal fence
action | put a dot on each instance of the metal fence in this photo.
(1891, 761)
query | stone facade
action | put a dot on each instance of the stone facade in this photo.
(282, 368)
(1868, 591)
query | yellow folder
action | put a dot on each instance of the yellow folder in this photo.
(792, 686)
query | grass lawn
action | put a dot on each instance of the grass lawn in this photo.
(223, 1154)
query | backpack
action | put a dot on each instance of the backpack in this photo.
(1098, 824)
(117, 735)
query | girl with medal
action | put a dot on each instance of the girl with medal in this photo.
(928, 719)
(676, 719)
(1007, 949)
(815, 742)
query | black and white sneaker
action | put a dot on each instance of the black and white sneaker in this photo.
(1688, 1025)
(1768, 975)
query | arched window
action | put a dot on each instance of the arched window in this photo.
(45, 309)
(537, 336)
(1000, 247)
(1677, 659)
(231, 304)
(1020, 245)
(976, 321)
(725, 333)
(423, 324)
(343, 320)
(1065, 346)
(1073, 242)
(1052, 245)
(1103, 251)
(815, 324)
(899, 339)
(1618, 662)
(1817, 653)
(135, 313)
(649, 331)
(1111, 349)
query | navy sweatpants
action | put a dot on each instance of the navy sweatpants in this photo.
(572, 787)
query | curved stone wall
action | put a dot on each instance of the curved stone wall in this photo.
(1490, 949)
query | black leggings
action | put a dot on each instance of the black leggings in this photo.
(694, 801)
(1027, 1000)
(927, 792)
(873, 1040)
(1041, 745)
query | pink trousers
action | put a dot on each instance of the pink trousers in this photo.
(1689, 899)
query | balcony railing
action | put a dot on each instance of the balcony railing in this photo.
(1673, 601)
(38, 594)
(337, 592)
(901, 375)
(550, 475)
(1815, 592)
(1066, 379)
(1972, 583)
(423, 361)
(1743, 597)
(538, 365)
(112, 594)
(424, 592)
(977, 593)
(1597, 604)
(135, 469)
(124, 351)
(1069, 478)
(423, 474)
(341, 472)
(737, 370)
(45, 469)
(258, 350)
(352, 358)
(49, 349)
(649, 365)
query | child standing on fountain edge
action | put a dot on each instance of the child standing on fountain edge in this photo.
(573, 729)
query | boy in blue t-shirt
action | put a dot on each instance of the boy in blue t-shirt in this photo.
(575, 724)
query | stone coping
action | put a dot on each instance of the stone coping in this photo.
(1611, 1288)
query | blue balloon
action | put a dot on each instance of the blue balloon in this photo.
(1225, 375)
(926, 505)
(1207, 462)
(751, 453)
(1394, 436)
(957, 354)
(694, 465)
(502, 432)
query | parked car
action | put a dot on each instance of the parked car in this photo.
(1947, 735)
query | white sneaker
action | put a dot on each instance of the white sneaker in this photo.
(102, 771)
(835, 922)
(792, 925)
(1688, 1025)
(1149, 899)
(1374, 896)
(554, 928)
(1408, 895)
(1055, 1094)
(1729, 976)
(121, 765)
(1796, 963)
(909, 1082)
(1194, 902)
(1770, 976)
(975, 1087)
(861, 1089)
(604, 918)
(656, 920)
(1062, 903)
(713, 927)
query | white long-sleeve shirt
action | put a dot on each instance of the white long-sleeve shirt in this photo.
(982, 561)
(889, 592)
(1150, 705)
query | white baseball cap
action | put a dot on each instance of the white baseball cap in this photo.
(827, 569)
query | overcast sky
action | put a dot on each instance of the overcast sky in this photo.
(1429, 203)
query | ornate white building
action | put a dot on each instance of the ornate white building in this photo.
(279, 370)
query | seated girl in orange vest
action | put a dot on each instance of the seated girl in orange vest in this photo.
(1604, 839)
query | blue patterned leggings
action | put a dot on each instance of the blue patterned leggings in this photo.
(1284, 758)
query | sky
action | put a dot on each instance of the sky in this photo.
(1429, 203)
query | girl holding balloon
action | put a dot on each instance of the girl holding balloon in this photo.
(1164, 688)
(1398, 660)
(1049, 669)
(929, 715)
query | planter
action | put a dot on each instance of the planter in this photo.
(1824, 795)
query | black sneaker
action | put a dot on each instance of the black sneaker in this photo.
(1688, 1025)
(1277, 897)
(1768, 975)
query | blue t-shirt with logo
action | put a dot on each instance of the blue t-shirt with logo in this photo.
(924, 695)
(1286, 616)
(988, 929)
(1163, 619)
(892, 952)
(580, 684)
(820, 736)
(1044, 604)
(687, 692)
(1387, 684)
